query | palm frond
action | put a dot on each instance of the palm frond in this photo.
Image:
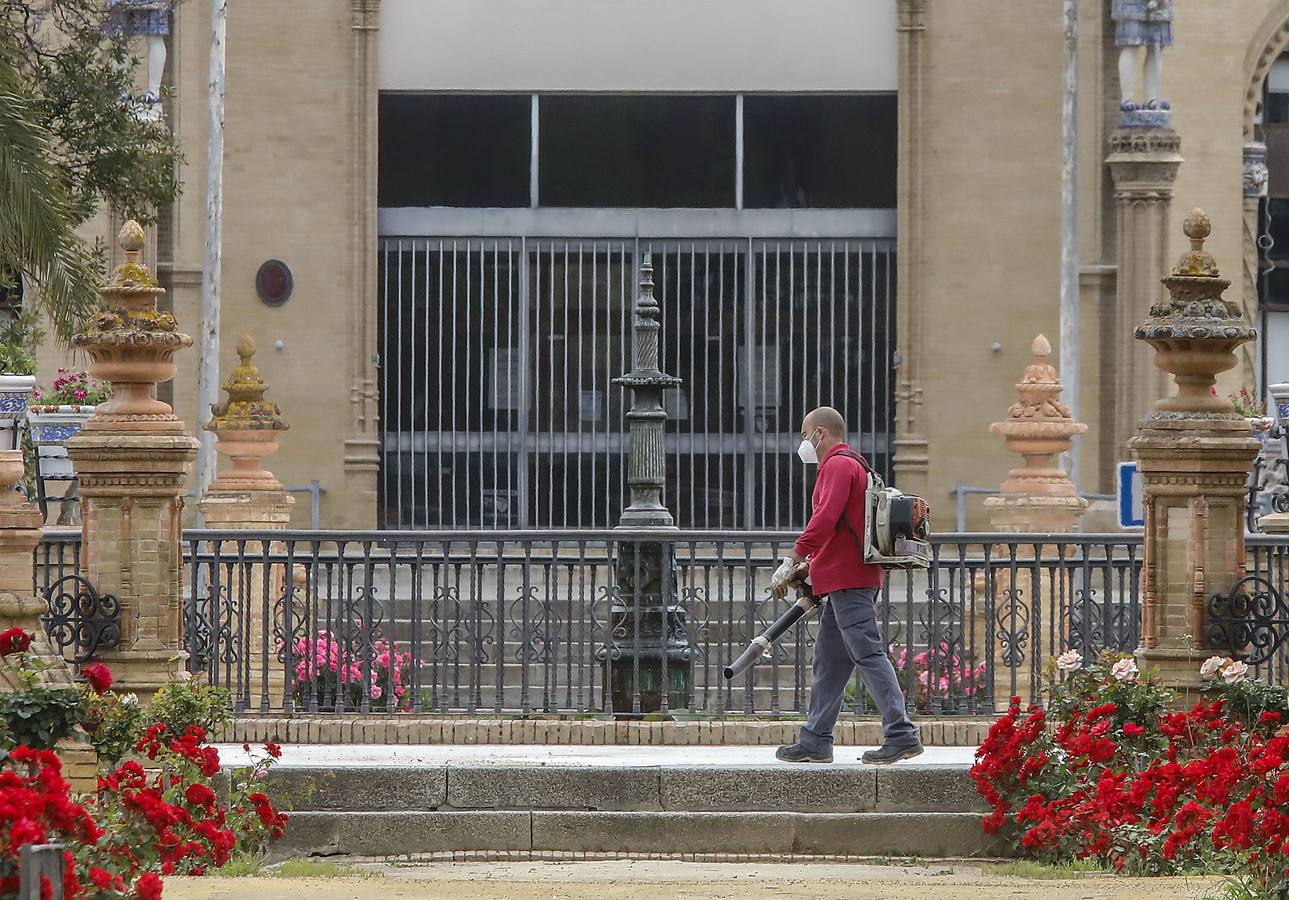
(37, 234)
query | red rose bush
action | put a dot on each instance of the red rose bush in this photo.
(1110, 772)
(156, 814)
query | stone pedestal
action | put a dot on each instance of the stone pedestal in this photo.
(1037, 497)
(1195, 454)
(132, 461)
(248, 497)
(1143, 164)
(21, 526)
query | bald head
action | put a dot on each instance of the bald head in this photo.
(827, 419)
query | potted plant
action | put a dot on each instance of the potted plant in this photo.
(56, 416)
(1256, 414)
(18, 336)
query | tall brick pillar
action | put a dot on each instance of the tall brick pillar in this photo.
(1195, 454)
(1037, 497)
(1143, 162)
(247, 497)
(132, 461)
(21, 525)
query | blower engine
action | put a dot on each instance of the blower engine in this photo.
(897, 526)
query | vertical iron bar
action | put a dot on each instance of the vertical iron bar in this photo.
(738, 151)
(749, 412)
(522, 351)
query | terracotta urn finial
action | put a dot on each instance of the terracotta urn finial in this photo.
(131, 345)
(1195, 330)
(1038, 427)
(246, 425)
(130, 237)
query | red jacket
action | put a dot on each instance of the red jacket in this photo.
(836, 559)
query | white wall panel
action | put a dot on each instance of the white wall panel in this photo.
(628, 45)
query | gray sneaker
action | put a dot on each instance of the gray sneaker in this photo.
(798, 753)
(886, 754)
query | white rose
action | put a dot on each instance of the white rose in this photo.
(1124, 670)
(1212, 665)
(1234, 671)
(1070, 661)
(130, 699)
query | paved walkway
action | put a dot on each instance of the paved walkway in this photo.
(647, 880)
(608, 756)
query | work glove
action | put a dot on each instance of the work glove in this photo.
(789, 571)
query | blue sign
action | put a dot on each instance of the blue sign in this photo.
(1132, 504)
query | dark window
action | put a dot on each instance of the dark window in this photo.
(1276, 286)
(819, 151)
(1277, 110)
(448, 150)
(636, 151)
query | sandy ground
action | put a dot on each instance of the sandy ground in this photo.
(640, 879)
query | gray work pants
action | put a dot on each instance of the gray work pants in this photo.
(848, 637)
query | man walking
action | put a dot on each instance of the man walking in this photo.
(848, 635)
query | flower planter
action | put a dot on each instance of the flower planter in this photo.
(51, 427)
(15, 394)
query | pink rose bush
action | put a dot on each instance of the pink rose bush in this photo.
(937, 673)
(323, 665)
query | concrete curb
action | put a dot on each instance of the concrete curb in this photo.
(461, 787)
(415, 729)
(389, 834)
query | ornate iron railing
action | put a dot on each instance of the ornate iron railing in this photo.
(524, 622)
(80, 621)
(1250, 622)
(527, 622)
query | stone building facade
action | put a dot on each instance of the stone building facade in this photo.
(970, 233)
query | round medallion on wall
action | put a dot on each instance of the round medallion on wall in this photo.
(273, 282)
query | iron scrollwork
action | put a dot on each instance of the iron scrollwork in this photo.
(81, 619)
(1250, 623)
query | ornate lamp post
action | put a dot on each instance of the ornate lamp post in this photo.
(647, 661)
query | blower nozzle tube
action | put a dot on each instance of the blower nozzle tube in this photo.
(805, 605)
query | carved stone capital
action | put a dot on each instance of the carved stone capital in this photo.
(1144, 164)
(912, 14)
(1256, 175)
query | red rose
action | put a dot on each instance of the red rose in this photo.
(200, 795)
(15, 640)
(98, 676)
(273, 749)
(101, 877)
(1132, 729)
(148, 887)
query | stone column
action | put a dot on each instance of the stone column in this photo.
(362, 442)
(1195, 454)
(912, 460)
(1038, 497)
(247, 497)
(1143, 162)
(1256, 187)
(132, 461)
(648, 622)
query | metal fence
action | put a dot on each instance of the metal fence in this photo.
(497, 356)
(524, 622)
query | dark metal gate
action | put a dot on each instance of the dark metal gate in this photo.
(497, 355)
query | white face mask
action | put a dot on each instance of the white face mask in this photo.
(808, 452)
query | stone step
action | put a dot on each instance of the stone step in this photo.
(410, 833)
(386, 801)
(489, 785)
